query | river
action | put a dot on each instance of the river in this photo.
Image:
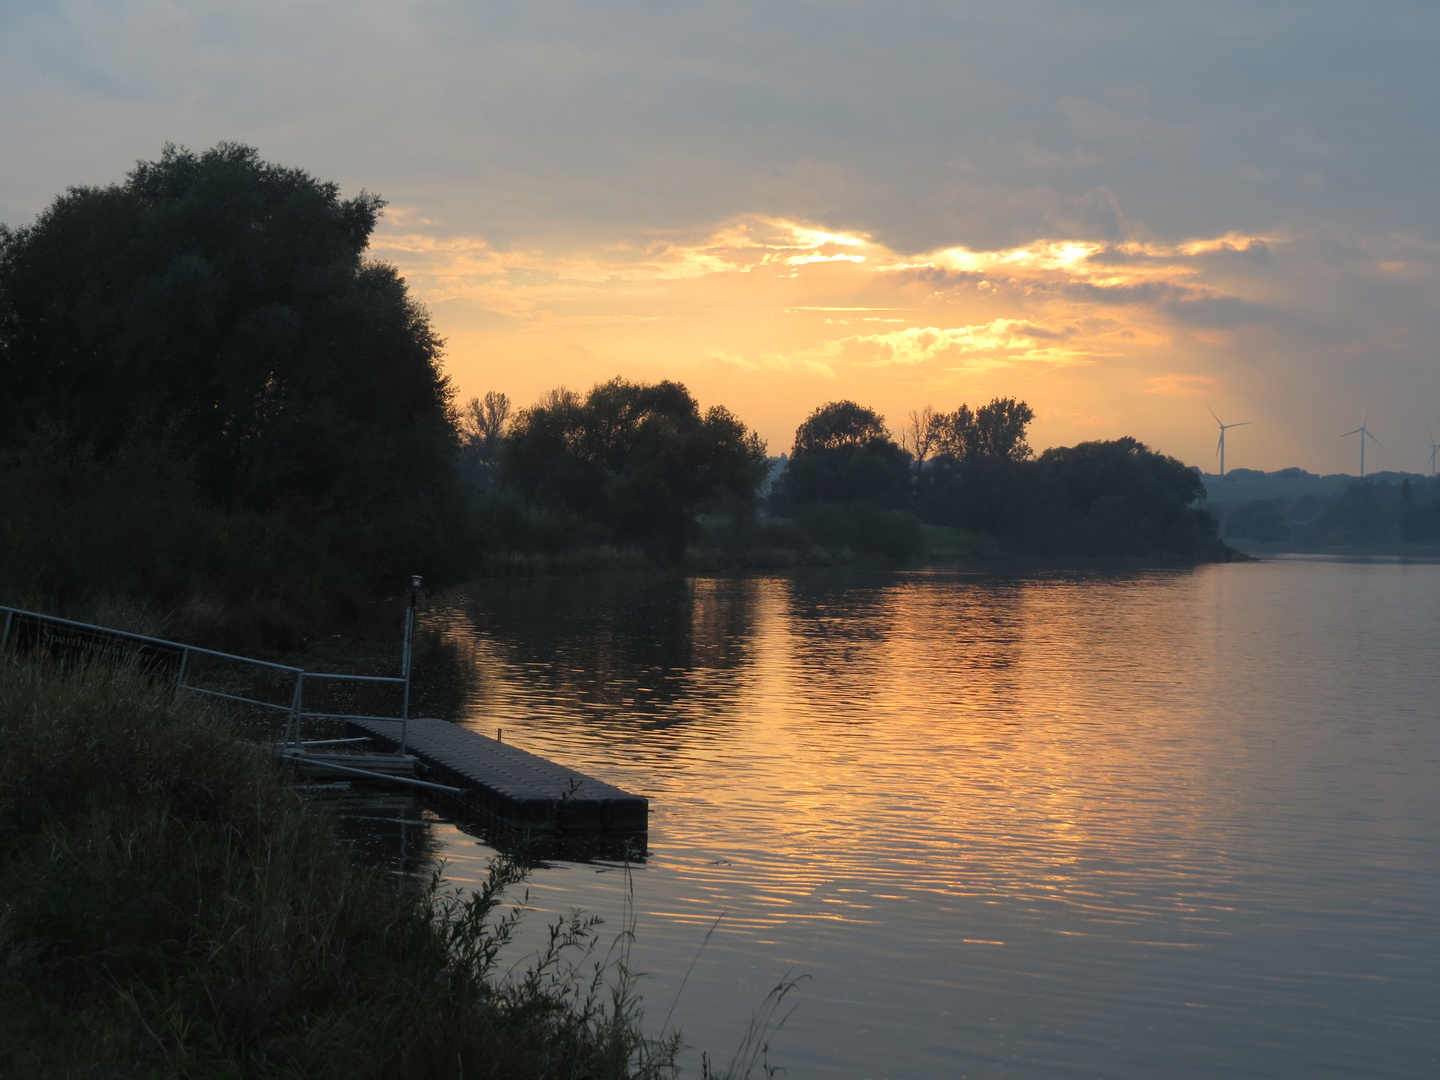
(1166, 823)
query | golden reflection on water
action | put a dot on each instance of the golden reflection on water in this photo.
(960, 741)
(1109, 802)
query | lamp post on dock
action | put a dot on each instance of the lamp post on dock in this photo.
(415, 581)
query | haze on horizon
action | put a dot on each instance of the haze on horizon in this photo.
(1119, 212)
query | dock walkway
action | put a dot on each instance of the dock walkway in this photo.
(517, 789)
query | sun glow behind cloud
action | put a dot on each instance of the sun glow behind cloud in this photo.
(773, 317)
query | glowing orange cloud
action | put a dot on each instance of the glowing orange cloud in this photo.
(772, 317)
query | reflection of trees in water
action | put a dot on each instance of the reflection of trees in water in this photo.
(939, 644)
(840, 628)
(444, 675)
(891, 638)
(628, 653)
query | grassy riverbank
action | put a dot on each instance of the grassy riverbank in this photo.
(167, 908)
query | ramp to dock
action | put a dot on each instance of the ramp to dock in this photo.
(515, 788)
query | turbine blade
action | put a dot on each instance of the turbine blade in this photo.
(1376, 441)
(1218, 445)
(1212, 413)
(1349, 433)
(1241, 424)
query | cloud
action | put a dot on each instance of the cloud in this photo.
(1000, 343)
(1220, 312)
(1196, 190)
(1177, 385)
(775, 363)
(606, 320)
(1033, 156)
(1092, 120)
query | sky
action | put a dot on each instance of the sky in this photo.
(1126, 214)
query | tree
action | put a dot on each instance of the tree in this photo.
(639, 458)
(227, 303)
(1119, 498)
(995, 431)
(1366, 512)
(1258, 519)
(844, 454)
(482, 425)
(840, 425)
(1098, 499)
(1000, 429)
(919, 433)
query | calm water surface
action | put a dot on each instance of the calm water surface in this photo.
(1160, 824)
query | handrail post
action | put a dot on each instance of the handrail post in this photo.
(292, 733)
(9, 618)
(184, 662)
(415, 581)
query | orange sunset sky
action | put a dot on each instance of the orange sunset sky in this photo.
(1121, 213)
(773, 317)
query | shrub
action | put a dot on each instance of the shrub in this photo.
(1258, 519)
(864, 529)
(170, 909)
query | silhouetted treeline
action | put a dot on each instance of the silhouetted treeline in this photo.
(639, 465)
(635, 463)
(1311, 512)
(217, 408)
(973, 470)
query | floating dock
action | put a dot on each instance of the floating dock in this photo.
(510, 786)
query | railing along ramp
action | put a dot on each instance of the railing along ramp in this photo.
(488, 778)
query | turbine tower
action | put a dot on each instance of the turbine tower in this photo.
(1220, 447)
(1434, 448)
(1364, 433)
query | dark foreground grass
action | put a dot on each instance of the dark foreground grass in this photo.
(168, 909)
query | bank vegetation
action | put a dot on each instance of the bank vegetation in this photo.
(169, 908)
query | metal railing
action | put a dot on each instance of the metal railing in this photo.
(27, 631)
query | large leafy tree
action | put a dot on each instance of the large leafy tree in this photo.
(640, 459)
(995, 431)
(1119, 497)
(226, 304)
(844, 454)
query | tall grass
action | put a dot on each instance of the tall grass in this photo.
(168, 908)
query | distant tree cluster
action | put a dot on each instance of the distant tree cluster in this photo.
(1259, 520)
(1419, 516)
(640, 459)
(996, 430)
(1368, 511)
(844, 454)
(643, 462)
(974, 470)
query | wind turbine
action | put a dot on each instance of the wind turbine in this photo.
(1220, 448)
(1364, 433)
(1434, 448)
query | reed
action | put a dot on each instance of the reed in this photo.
(168, 908)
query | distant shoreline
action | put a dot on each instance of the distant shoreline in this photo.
(1416, 552)
(584, 563)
